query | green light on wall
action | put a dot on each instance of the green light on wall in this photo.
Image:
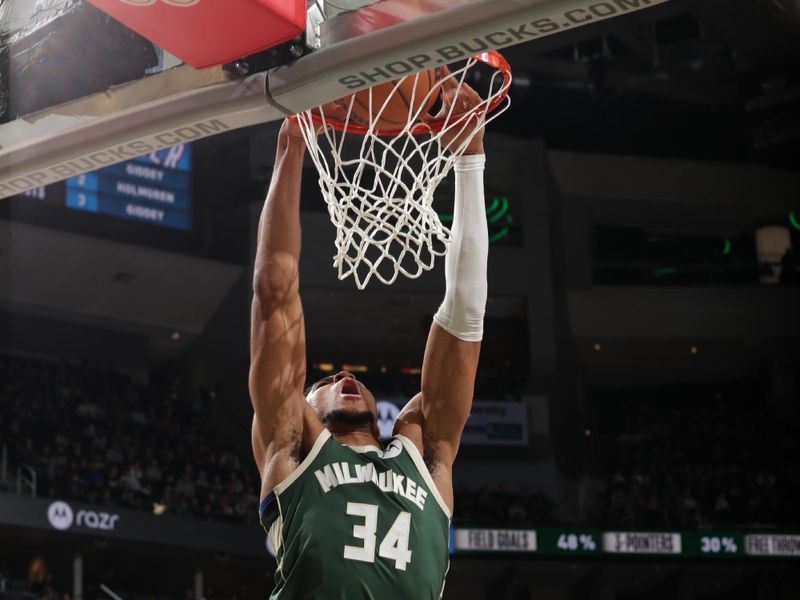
(665, 271)
(494, 213)
(794, 220)
(727, 249)
(502, 233)
(497, 210)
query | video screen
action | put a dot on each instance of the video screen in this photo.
(155, 188)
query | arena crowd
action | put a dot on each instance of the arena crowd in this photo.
(700, 459)
(95, 435)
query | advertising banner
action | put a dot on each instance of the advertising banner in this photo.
(66, 518)
(496, 423)
(75, 518)
(490, 423)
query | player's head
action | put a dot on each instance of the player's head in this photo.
(344, 404)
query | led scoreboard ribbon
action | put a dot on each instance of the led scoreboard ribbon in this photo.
(593, 542)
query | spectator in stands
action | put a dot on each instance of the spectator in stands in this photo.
(700, 462)
(93, 435)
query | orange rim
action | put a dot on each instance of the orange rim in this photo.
(492, 58)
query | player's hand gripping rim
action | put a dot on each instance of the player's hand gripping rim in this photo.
(459, 101)
(335, 110)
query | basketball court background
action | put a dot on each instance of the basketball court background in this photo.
(646, 147)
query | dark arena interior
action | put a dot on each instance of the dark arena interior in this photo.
(635, 432)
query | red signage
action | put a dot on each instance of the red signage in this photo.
(210, 32)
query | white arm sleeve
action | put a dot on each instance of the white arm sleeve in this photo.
(464, 304)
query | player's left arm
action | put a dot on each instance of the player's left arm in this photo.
(454, 341)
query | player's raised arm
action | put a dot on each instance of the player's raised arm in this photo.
(453, 348)
(277, 335)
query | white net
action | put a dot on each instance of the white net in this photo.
(379, 185)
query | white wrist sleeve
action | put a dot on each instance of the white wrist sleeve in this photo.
(464, 304)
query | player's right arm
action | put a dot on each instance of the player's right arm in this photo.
(277, 334)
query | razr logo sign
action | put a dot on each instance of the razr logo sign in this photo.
(61, 517)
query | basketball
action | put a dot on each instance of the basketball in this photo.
(406, 96)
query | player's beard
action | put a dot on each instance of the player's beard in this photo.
(348, 418)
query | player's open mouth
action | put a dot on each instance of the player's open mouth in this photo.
(349, 388)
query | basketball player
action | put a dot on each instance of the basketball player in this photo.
(348, 518)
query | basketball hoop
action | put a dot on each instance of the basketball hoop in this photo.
(378, 182)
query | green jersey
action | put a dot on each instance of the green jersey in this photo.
(358, 523)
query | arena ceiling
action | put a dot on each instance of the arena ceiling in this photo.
(673, 81)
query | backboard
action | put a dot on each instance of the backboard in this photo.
(149, 104)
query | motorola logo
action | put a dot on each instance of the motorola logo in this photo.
(387, 413)
(60, 515)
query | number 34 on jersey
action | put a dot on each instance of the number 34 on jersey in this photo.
(393, 546)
